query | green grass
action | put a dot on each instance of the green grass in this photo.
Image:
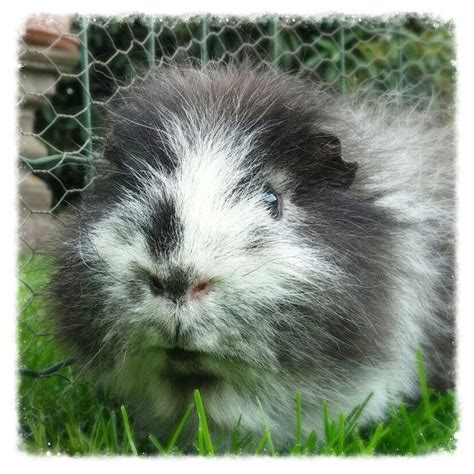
(65, 414)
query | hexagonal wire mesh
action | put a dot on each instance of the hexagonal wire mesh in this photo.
(64, 94)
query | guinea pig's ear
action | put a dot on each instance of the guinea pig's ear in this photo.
(332, 168)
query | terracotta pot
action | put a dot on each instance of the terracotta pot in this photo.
(50, 30)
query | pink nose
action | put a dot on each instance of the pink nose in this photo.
(200, 289)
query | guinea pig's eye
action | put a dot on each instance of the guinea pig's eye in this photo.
(273, 202)
(156, 286)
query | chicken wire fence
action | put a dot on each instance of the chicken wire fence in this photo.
(409, 58)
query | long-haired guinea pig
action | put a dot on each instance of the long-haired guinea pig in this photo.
(253, 236)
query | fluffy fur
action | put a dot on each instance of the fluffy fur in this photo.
(331, 300)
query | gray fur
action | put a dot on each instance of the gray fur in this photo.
(331, 300)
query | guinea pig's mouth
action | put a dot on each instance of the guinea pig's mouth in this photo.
(185, 369)
(177, 354)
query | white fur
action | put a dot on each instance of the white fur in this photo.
(214, 242)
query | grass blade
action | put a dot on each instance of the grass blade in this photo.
(96, 432)
(423, 384)
(328, 431)
(113, 422)
(203, 425)
(262, 443)
(234, 438)
(128, 431)
(200, 442)
(269, 440)
(379, 433)
(157, 444)
(74, 444)
(408, 424)
(355, 414)
(187, 414)
(341, 434)
(299, 423)
(310, 443)
(271, 448)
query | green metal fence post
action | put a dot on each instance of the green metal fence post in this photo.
(151, 41)
(204, 30)
(275, 39)
(342, 43)
(86, 99)
(400, 82)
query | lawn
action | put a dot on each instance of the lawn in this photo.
(64, 413)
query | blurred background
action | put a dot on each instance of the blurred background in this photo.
(72, 67)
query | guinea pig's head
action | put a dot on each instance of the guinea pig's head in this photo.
(222, 236)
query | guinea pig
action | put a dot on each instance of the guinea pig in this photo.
(253, 235)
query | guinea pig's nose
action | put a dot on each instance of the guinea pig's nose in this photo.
(174, 286)
(200, 289)
(177, 286)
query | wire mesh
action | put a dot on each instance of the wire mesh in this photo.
(410, 58)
